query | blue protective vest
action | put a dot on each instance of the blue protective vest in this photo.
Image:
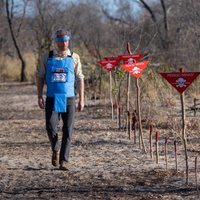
(60, 81)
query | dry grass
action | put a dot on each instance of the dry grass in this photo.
(10, 68)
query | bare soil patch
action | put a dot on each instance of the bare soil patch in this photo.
(105, 164)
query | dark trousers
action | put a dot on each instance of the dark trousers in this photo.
(52, 120)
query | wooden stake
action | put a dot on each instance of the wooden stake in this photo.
(166, 158)
(196, 179)
(127, 104)
(134, 124)
(129, 124)
(175, 153)
(111, 99)
(184, 137)
(157, 148)
(195, 108)
(128, 91)
(119, 117)
(135, 133)
(117, 109)
(183, 134)
(139, 115)
(150, 141)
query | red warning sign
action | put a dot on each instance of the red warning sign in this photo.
(135, 69)
(180, 80)
(131, 58)
(108, 64)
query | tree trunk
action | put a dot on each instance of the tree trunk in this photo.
(23, 63)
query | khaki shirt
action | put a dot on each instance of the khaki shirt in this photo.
(41, 71)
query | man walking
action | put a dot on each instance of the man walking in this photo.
(58, 69)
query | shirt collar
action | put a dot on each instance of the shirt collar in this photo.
(64, 53)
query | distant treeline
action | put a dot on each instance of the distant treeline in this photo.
(167, 30)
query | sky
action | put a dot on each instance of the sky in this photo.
(109, 4)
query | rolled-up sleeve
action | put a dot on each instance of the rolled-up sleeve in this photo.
(41, 67)
(78, 66)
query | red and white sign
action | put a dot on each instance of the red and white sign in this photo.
(180, 80)
(131, 58)
(135, 69)
(108, 64)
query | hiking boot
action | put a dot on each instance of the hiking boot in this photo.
(55, 158)
(64, 165)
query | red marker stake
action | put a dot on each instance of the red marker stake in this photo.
(150, 140)
(175, 151)
(196, 180)
(134, 124)
(129, 124)
(119, 116)
(166, 158)
(157, 148)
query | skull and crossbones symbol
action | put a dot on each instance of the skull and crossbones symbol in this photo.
(181, 82)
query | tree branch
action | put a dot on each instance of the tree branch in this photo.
(114, 18)
(162, 39)
(149, 10)
(23, 16)
(165, 17)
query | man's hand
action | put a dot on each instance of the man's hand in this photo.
(41, 102)
(80, 105)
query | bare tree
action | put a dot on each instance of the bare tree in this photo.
(10, 15)
(90, 31)
(44, 23)
(162, 33)
(2, 18)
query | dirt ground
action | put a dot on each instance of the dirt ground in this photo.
(105, 164)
